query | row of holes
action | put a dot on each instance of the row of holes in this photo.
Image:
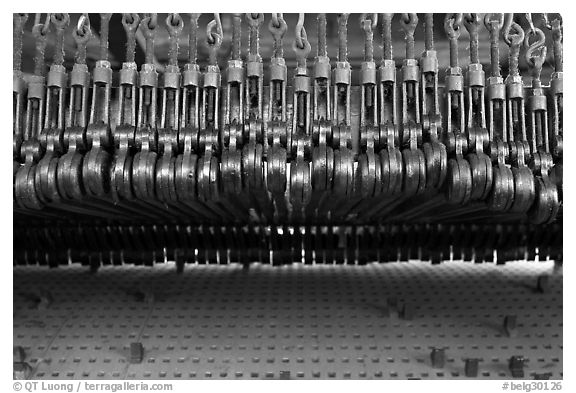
(257, 360)
(315, 347)
(406, 325)
(286, 336)
(302, 347)
(312, 307)
(299, 374)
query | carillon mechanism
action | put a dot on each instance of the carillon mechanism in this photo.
(265, 140)
(288, 139)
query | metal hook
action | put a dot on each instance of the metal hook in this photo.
(470, 20)
(60, 20)
(83, 24)
(538, 45)
(255, 20)
(495, 24)
(409, 23)
(277, 25)
(148, 26)
(213, 38)
(300, 31)
(39, 28)
(130, 26)
(516, 38)
(452, 24)
(174, 29)
(301, 45)
(366, 17)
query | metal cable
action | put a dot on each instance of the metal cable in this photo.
(130, 23)
(343, 37)
(472, 23)
(366, 25)
(40, 34)
(193, 39)
(494, 27)
(514, 41)
(322, 47)
(175, 25)
(254, 20)
(60, 21)
(277, 31)
(81, 35)
(452, 28)
(213, 39)
(429, 32)
(409, 23)
(556, 26)
(104, 29)
(19, 22)
(236, 36)
(148, 25)
(387, 37)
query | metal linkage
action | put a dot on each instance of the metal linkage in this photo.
(502, 194)
(556, 104)
(390, 155)
(233, 136)
(434, 149)
(342, 80)
(369, 170)
(519, 148)
(344, 144)
(69, 175)
(546, 205)
(189, 134)
(300, 137)
(146, 136)
(429, 76)
(31, 148)
(306, 161)
(277, 104)
(208, 170)
(253, 150)
(18, 90)
(170, 117)
(254, 126)
(413, 158)
(124, 133)
(276, 143)
(459, 190)
(234, 97)
(52, 135)
(477, 133)
(322, 108)
(96, 165)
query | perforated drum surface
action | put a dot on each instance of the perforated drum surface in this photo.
(315, 322)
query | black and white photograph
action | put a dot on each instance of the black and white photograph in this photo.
(287, 196)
